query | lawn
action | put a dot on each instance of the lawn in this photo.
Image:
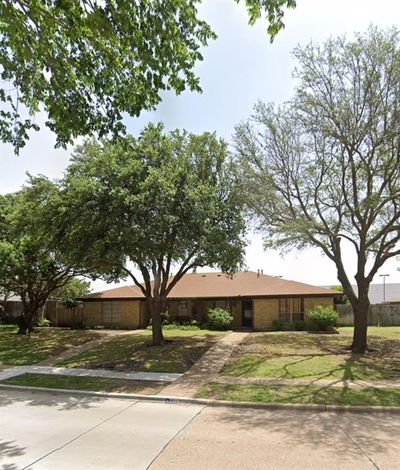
(302, 394)
(97, 384)
(390, 332)
(310, 356)
(135, 352)
(43, 343)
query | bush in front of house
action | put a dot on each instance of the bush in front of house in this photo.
(299, 325)
(193, 325)
(278, 325)
(324, 318)
(219, 319)
(187, 326)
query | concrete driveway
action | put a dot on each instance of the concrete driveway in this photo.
(50, 431)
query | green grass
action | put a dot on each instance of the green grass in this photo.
(43, 343)
(301, 394)
(312, 356)
(97, 384)
(135, 352)
(390, 332)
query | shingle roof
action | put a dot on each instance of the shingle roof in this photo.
(219, 285)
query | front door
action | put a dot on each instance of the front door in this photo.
(247, 313)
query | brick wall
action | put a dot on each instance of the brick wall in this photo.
(128, 310)
(264, 311)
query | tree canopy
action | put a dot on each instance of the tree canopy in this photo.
(87, 62)
(324, 169)
(165, 202)
(31, 266)
(71, 291)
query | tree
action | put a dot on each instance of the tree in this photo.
(30, 266)
(324, 169)
(70, 292)
(87, 62)
(342, 300)
(163, 202)
(273, 10)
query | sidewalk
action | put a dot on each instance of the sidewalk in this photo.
(206, 368)
(37, 369)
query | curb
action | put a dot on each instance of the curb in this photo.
(207, 402)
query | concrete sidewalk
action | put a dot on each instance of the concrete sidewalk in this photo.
(206, 368)
(109, 374)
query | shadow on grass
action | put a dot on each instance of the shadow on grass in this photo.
(314, 357)
(136, 353)
(44, 342)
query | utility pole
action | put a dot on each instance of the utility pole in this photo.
(384, 285)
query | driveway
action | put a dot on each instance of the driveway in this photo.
(48, 431)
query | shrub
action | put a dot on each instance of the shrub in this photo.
(44, 322)
(278, 325)
(193, 325)
(299, 325)
(219, 319)
(165, 318)
(324, 318)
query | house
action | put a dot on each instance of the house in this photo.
(254, 300)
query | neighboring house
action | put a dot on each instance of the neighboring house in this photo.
(254, 299)
(379, 294)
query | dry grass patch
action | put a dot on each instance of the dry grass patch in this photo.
(135, 352)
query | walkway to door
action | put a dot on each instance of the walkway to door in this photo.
(206, 368)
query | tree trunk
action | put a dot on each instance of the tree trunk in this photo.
(155, 307)
(360, 309)
(25, 324)
(26, 320)
(359, 345)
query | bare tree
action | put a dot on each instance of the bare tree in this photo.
(324, 169)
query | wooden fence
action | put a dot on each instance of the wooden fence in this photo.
(54, 311)
(378, 315)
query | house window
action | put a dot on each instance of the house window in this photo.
(219, 304)
(225, 304)
(291, 309)
(183, 310)
(110, 312)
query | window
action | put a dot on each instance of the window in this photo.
(225, 304)
(183, 308)
(291, 309)
(110, 312)
(219, 304)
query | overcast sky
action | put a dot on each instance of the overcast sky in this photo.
(239, 68)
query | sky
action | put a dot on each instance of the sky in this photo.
(239, 68)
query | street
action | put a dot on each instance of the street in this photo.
(53, 431)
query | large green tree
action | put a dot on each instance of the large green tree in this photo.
(70, 292)
(87, 62)
(164, 202)
(324, 169)
(31, 266)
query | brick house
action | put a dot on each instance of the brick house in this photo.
(254, 300)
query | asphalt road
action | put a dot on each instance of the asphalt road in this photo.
(50, 431)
